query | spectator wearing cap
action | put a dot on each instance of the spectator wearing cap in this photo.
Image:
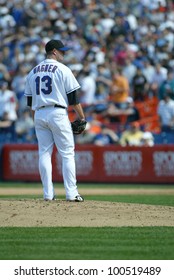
(131, 136)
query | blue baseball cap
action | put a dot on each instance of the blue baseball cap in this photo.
(55, 44)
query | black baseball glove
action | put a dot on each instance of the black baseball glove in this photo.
(78, 126)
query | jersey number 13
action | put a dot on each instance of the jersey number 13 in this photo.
(43, 84)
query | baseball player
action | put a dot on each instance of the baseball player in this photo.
(50, 88)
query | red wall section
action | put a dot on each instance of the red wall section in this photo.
(95, 164)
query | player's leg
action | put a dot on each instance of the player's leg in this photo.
(64, 141)
(45, 144)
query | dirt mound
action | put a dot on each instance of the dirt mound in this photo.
(39, 213)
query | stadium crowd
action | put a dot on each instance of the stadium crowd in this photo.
(122, 54)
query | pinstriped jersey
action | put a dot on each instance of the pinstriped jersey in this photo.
(49, 83)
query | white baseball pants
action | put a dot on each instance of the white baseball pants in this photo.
(52, 125)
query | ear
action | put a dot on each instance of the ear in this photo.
(54, 52)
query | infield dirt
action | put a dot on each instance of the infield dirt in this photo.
(39, 213)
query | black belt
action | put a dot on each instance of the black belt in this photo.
(56, 106)
(59, 106)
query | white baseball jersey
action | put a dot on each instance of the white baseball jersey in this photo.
(49, 83)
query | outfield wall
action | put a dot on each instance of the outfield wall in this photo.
(95, 164)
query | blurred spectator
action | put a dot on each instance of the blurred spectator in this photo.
(7, 128)
(166, 113)
(88, 88)
(119, 91)
(24, 127)
(167, 86)
(140, 86)
(129, 70)
(147, 139)
(102, 89)
(18, 86)
(139, 59)
(93, 30)
(8, 101)
(6, 59)
(106, 137)
(169, 37)
(132, 136)
(120, 27)
(6, 20)
(158, 78)
(4, 74)
(119, 88)
(5, 122)
(106, 23)
(18, 13)
(148, 70)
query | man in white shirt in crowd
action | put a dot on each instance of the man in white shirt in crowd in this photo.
(166, 113)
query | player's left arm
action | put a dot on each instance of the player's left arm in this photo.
(29, 103)
(73, 100)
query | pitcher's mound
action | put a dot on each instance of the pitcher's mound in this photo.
(59, 213)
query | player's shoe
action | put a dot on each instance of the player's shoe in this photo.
(47, 199)
(78, 198)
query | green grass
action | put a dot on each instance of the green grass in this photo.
(88, 185)
(165, 200)
(126, 243)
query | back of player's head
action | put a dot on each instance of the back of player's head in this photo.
(55, 44)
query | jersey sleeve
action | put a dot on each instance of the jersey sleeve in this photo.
(73, 98)
(71, 84)
(27, 89)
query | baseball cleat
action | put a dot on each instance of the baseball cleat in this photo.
(78, 198)
(47, 199)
